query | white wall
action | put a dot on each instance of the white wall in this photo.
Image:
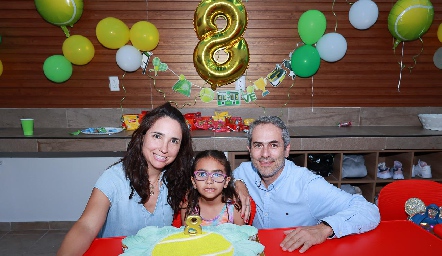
(47, 189)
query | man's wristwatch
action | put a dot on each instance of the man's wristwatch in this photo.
(326, 223)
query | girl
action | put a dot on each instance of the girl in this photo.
(144, 188)
(213, 196)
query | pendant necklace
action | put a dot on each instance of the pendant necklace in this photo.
(151, 186)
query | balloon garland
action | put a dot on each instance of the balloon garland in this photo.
(77, 49)
(408, 20)
(303, 62)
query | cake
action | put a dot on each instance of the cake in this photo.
(225, 239)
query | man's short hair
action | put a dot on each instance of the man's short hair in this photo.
(276, 121)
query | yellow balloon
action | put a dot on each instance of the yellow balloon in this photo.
(230, 39)
(439, 33)
(78, 49)
(144, 36)
(1, 68)
(112, 33)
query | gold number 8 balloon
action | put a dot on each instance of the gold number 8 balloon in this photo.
(230, 39)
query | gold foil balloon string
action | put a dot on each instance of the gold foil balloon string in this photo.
(334, 14)
(288, 95)
(155, 87)
(185, 104)
(164, 94)
(417, 55)
(402, 67)
(124, 97)
(313, 93)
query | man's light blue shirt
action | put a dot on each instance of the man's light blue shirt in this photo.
(127, 216)
(298, 197)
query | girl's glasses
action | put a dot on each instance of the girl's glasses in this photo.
(202, 175)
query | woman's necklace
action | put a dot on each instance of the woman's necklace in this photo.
(152, 187)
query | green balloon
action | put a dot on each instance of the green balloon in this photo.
(305, 61)
(311, 26)
(410, 19)
(57, 68)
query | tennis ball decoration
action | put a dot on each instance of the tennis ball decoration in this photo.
(182, 244)
(60, 12)
(206, 95)
(409, 19)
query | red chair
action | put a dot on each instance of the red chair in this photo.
(392, 198)
(178, 223)
(438, 230)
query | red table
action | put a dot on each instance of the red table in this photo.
(399, 237)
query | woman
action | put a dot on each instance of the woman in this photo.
(144, 188)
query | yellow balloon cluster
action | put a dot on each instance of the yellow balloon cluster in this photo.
(230, 40)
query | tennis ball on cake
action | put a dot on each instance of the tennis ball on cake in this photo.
(207, 243)
(206, 95)
(60, 13)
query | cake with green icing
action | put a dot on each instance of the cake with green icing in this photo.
(223, 240)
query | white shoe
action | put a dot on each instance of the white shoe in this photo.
(384, 171)
(426, 172)
(397, 171)
(421, 169)
(358, 190)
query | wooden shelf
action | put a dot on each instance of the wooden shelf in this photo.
(370, 184)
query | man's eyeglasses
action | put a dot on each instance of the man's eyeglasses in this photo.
(202, 175)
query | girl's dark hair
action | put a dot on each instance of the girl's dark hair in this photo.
(228, 194)
(176, 175)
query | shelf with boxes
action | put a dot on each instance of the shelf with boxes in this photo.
(353, 175)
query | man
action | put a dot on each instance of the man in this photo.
(287, 195)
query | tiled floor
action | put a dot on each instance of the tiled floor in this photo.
(39, 238)
(31, 242)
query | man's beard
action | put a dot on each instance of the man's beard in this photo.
(273, 173)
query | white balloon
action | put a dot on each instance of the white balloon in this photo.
(129, 58)
(363, 14)
(437, 58)
(332, 47)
